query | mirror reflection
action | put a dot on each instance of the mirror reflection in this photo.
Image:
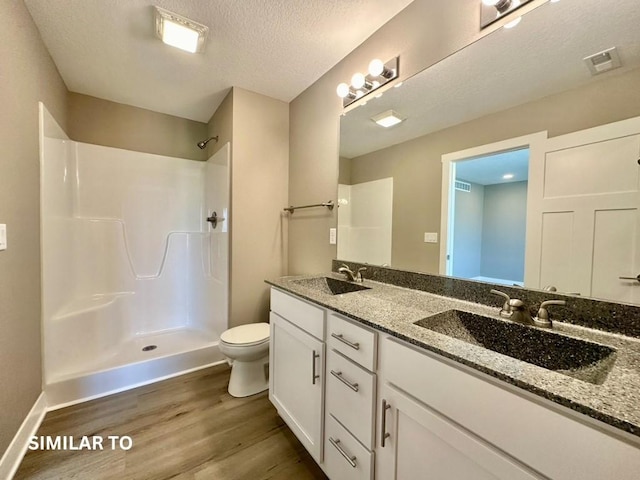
(517, 161)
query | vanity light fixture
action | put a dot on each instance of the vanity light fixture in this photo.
(493, 10)
(388, 119)
(179, 31)
(378, 74)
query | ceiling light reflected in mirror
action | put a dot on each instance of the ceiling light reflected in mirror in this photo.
(388, 119)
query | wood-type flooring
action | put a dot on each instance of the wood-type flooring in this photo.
(184, 428)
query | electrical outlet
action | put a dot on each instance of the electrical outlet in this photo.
(3, 236)
(430, 237)
(333, 236)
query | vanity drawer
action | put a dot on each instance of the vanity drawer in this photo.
(350, 391)
(345, 458)
(304, 315)
(353, 341)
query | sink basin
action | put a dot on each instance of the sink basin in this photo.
(331, 286)
(586, 361)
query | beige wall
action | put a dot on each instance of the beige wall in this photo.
(422, 34)
(27, 76)
(416, 166)
(101, 122)
(221, 125)
(259, 173)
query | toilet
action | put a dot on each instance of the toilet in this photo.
(247, 350)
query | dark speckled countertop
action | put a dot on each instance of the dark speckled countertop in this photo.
(392, 309)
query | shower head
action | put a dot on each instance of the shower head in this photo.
(203, 144)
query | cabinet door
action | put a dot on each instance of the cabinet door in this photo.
(421, 444)
(296, 382)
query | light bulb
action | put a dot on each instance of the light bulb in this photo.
(342, 90)
(376, 67)
(357, 81)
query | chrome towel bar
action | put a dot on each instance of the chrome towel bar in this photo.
(328, 204)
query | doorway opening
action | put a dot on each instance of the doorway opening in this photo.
(488, 217)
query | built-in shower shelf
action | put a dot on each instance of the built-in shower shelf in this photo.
(88, 304)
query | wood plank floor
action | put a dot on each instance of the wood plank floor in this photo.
(185, 428)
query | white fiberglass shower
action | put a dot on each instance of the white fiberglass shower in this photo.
(134, 278)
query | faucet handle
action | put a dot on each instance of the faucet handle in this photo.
(542, 319)
(506, 306)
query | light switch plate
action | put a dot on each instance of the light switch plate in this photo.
(430, 237)
(3, 236)
(332, 236)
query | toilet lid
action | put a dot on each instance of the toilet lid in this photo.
(246, 334)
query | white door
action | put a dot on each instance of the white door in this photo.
(586, 221)
(296, 382)
(421, 444)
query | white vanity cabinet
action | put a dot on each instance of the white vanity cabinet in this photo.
(367, 405)
(439, 418)
(296, 368)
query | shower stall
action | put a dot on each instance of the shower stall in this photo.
(134, 277)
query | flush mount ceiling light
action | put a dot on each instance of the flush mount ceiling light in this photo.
(379, 74)
(508, 176)
(492, 10)
(179, 31)
(388, 119)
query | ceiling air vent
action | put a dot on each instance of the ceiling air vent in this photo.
(463, 186)
(603, 61)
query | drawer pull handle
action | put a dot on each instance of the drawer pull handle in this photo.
(383, 430)
(347, 457)
(338, 375)
(313, 367)
(338, 336)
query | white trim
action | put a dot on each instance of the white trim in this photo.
(536, 144)
(18, 447)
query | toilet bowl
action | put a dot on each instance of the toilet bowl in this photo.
(247, 350)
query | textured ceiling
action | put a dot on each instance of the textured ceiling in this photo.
(278, 48)
(541, 56)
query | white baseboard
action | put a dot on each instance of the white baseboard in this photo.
(13, 456)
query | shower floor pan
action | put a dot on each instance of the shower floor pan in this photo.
(136, 363)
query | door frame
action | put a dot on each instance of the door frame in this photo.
(536, 143)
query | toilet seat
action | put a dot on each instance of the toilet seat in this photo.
(246, 335)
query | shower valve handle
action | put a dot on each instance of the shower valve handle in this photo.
(214, 219)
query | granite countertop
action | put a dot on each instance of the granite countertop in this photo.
(392, 309)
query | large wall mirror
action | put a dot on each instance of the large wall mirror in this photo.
(517, 161)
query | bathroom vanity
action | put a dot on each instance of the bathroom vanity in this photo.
(379, 381)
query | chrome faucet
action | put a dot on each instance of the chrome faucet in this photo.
(519, 312)
(514, 309)
(351, 276)
(542, 319)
